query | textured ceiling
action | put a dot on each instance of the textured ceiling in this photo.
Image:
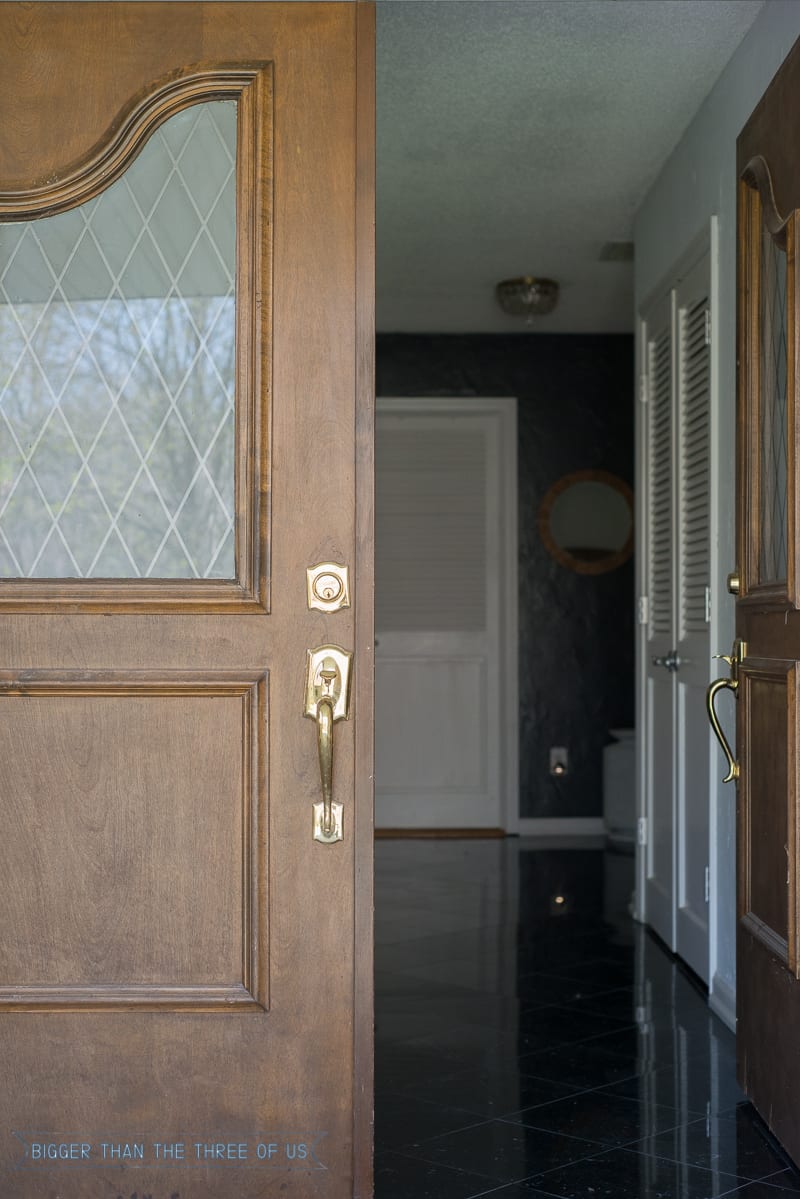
(518, 136)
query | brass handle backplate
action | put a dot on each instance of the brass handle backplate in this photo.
(327, 700)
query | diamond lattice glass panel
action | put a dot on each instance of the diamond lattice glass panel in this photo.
(773, 541)
(117, 369)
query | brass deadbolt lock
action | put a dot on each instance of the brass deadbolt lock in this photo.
(328, 587)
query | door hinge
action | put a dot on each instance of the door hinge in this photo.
(641, 831)
(708, 326)
(708, 605)
(643, 609)
(642, 389)
(707, 885)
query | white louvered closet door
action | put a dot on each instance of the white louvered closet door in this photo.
(676, 642)
(659, 734)
(693, 394)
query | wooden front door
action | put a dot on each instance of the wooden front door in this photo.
(185, 431)
(768, 608)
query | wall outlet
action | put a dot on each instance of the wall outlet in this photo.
(559, 760)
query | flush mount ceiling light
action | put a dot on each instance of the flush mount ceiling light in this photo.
(527, 296)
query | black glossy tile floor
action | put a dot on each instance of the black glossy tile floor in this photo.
(532, 1040)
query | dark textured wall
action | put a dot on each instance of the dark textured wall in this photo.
(576, 672)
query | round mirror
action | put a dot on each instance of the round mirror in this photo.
(586, 521)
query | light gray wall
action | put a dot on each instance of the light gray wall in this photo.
(699, 180)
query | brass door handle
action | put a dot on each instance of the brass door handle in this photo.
(327, 700)
(713, 690)
(325, 749)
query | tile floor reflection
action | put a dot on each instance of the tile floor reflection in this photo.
(532, 1040)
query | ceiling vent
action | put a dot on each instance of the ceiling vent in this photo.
(616, 251)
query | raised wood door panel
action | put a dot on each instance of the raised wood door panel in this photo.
(768, 797)
(106, 871)
(767, 617)
(185, 429)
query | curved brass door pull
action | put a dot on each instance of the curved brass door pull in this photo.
(734, 660)
(327, 700)
(713, 690)
(325, 746)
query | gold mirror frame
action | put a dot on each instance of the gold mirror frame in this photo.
(600, 566)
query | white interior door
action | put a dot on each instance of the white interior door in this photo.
(692, 615)
(675, 661)
(445, 608)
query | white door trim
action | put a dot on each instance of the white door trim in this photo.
(503, 410)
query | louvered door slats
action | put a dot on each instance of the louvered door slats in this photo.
(660, 539)
(693, 379)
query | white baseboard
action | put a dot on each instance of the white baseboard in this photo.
(561, 826)
(722, 1001)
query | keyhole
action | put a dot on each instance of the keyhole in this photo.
(328, 588)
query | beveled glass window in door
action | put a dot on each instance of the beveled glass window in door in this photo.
(773, 552)
(117, 352)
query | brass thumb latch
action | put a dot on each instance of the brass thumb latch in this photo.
(734, 660)
(327, 700)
